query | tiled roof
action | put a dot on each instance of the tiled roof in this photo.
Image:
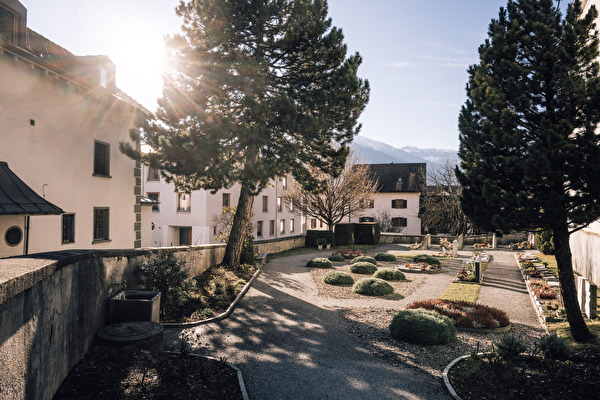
(405, 177)
(16, 198)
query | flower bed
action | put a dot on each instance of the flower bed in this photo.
(349, 254)
(419, 268)
(466, 314)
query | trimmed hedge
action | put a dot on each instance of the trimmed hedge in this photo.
(363, 259)
(424, 258)
(372, 287)
(313, 235)
(385, 257)
(366, 233)
(336, 257)
(363, 268)
(389, 274)
(319, 263)
(338, 278)
(344, 234)
(422, 326)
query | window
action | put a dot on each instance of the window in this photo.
(272, 227)
(155, 197)
(399, 221)
(370, 203)
(313, 223)
(153, 174)
(184, 202)
(259, 228)
(101, 159)
(279, 204)
(265, 204)
(282, 226)
(7, 25)
(284, 182)
(13, 236)
(398, 203)
(101, 218)
(292, 225)
(226, 199)
(68, 228)
(291, 204)
(321, 223)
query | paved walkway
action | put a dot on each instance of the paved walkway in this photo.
(292, 344)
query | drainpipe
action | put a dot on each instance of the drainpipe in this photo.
(26, 244)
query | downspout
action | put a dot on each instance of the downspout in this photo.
(26, 244)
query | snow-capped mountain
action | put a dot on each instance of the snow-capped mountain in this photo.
(373, 152)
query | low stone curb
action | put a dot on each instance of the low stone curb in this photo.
(453, 393)
(240, 377)
(221, 316)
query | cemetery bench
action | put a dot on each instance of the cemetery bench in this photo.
(322, 243)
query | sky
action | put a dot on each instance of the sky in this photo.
(415, 54)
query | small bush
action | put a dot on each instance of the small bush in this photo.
(372, 287)
(389, 274)
(424, 258)
(363, 259)
(554, 347)
(363, 268)
(336, 257)
(510, 346)
(385, 257)
(319, 263)
(338, 278)
(544, 241)
(422, 326)
(164, 273)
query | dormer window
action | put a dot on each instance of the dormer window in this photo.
(8, 25)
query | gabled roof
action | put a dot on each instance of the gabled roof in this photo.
(16, 198)
(405, 177)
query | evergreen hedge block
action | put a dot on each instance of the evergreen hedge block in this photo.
(313, 235)
(366, 233)
(344, 234)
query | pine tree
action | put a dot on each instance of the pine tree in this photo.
(257, 89)
(530, 153)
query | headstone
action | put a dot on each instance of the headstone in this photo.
(493, 241)
(591, 299)
(579, 284)
(477, 270)
(428, 241)
(461, 241)
(455, 249)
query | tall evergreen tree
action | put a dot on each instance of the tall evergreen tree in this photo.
(530, 153)
(257, 89)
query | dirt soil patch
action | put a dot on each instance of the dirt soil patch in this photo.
(129, 373)
(529, 377)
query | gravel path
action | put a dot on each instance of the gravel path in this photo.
(292, 343)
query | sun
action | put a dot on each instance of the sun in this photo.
(139, 57)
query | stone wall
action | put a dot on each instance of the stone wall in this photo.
(435, 239)
(585, 251)
(52, 305)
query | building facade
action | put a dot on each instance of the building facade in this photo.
(61, 121)
(192, 218)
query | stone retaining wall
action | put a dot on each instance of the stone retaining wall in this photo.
(52, 305)
(585, 249)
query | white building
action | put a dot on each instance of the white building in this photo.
(188, 218)
(397, 196)
(61, 121)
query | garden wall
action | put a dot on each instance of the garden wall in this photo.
(52, 304)
(585, 255)
(435, 239)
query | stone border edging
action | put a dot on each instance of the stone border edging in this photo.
(453, 393)
(219, 317)
(240, 377)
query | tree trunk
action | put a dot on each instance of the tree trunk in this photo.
(579, 329)
(239, 228)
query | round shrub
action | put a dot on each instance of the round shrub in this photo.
(385, 257)
(372, 287)
(389, 274)
(554, 347)
(424, 258)
(363, 259)
(422, 326)
(319, 263)
(336, 257)
(338, 278)
(363, 268)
